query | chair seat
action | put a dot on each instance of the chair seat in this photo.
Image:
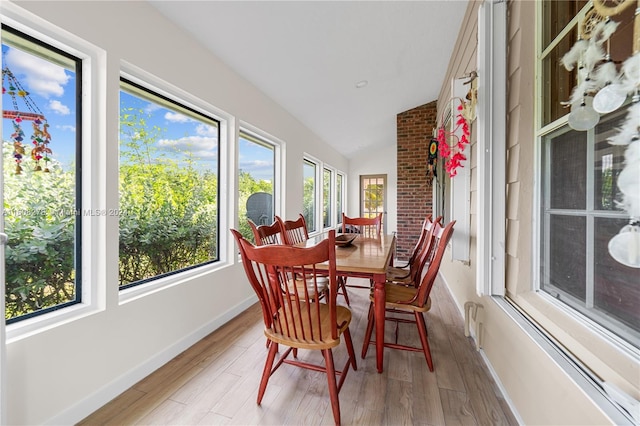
(323, 285)
(323, 328)
(397, 293)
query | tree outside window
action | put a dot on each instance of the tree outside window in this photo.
(168, 213)
(41, 185)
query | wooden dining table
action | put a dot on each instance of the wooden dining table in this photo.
(368, 258)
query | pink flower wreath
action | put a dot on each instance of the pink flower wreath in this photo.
(454, 155)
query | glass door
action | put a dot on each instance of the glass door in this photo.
(373, 197)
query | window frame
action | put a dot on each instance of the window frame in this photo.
(332, 197)
(226, 191)
(278, 146)
(79, 218)
(320, 168)
(92, 109)
(559, 126)
(317, 196)
(341, 197)
(588, 313)
(492, 151)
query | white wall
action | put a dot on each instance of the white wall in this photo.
(379, 162)
(61, 374)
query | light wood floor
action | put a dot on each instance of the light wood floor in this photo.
(216, 380)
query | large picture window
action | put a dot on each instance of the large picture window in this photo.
(169, 159)
(42, 214)
(580, 199)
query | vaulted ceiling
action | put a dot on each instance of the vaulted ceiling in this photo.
(311, 56)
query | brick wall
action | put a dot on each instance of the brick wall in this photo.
(415, 130)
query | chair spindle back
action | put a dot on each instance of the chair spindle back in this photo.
(371, 227)
(266, 234)
(289, 311)
(294, 231)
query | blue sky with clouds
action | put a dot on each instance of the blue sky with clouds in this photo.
(52, 92)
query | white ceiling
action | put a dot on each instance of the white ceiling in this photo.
(308, 56)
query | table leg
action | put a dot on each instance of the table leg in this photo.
(378, 312)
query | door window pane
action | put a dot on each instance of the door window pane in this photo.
(372, 196)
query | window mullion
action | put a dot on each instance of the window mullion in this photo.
(590, 237)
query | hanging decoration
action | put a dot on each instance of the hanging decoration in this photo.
(601, 89)
(432, 161)
(454, 154)
(40, 137)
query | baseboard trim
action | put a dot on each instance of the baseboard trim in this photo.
(93, 402)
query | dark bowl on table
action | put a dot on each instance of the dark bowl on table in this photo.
(344, 240)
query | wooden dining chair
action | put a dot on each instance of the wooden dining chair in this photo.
(414, 301)
(426, 224)
(294, 231)
(293, 321)
(420, 258)
(368, 226)
(266, 234)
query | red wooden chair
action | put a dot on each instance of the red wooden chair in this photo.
(411, 300)
(291, 319)
(266, 234)
(294, 231)
(368, 226)
(426, 224)
(420, 258)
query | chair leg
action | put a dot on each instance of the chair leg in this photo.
(266, 373)
(333, 386)
(422, 331)
(349, 343)
(342, 284)
(367, 334)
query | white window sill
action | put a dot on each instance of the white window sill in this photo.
(588, 383)
(142, 290)
(32, 326)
